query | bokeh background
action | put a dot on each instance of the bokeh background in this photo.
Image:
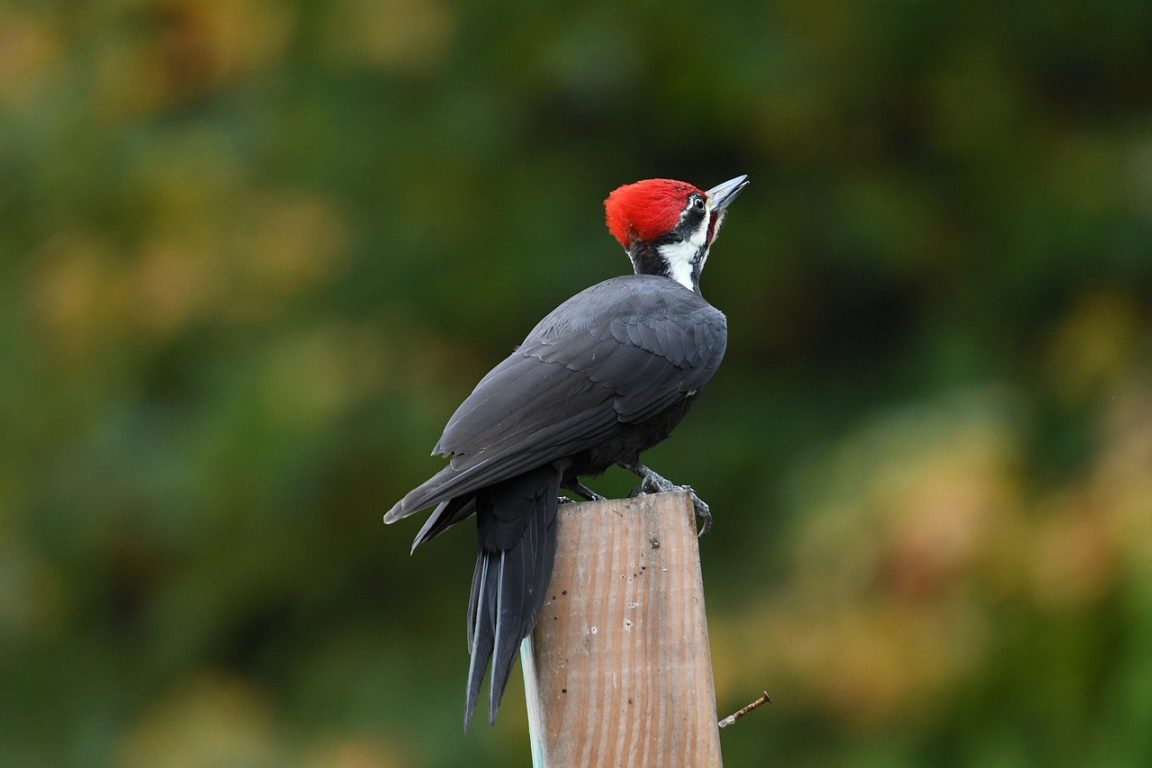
(254, 252)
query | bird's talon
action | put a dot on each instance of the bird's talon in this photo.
(701, 510)
(652, 484)
(705, 516)
(580, 489)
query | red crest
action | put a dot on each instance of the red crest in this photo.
(647, 209)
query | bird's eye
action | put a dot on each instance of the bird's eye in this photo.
(698, 203)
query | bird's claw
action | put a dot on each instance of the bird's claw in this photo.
(702, 511)
(654, 483)
(580, 489)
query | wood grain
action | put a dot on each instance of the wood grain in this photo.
(618, 671)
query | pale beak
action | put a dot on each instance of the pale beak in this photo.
(722, 194)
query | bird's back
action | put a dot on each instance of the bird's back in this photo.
(613, 354)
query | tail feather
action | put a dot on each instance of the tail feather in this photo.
(517, 532)
(480, 634)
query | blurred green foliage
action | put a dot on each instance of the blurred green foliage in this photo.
(252, 254)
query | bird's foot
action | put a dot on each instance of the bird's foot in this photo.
(565, 500)
(651, 482)
(580, 489)
(702, 510)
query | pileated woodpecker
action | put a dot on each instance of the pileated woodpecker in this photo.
(605, 376)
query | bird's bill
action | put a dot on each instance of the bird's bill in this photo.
(722, 194)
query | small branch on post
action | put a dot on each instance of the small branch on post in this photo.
(760, 700)
(618, 670)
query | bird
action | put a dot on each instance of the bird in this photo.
(603, 377)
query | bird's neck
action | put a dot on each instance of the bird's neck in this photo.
(680, 260)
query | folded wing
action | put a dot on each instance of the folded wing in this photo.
(613, 355)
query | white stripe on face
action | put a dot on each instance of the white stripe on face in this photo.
(681, 256)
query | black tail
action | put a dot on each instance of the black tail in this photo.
(516, 520)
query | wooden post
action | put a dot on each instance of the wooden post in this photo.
(617, 672)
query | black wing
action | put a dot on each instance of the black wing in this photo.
(614, 354)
